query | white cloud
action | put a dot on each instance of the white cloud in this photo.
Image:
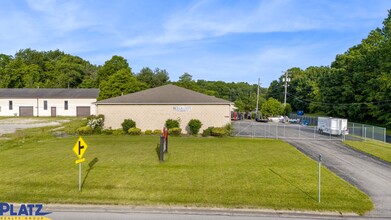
(62, 16)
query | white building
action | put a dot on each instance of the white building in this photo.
(48, 102)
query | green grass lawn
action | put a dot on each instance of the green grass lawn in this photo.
(204, 172)
(376, 148)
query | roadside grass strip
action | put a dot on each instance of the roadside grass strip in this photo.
(375, 148)
(197, 172)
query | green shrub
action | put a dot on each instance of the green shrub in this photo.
(171, 123)
(175, 131)
(148, 132)
(157, 132)
(96, 123)
(207, 132)
(108, 131)
(118, 132)
(219, 132)
(229, 128)
(134, 131)
(127, 124)
(84, 130)
(194, 126)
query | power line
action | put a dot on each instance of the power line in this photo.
(380, 102)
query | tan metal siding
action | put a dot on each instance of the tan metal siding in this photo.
(154, 116)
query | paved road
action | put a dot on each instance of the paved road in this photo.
(159, 213)
(368, 174)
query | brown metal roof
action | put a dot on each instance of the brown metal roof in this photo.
(49, 93)
(168, 94)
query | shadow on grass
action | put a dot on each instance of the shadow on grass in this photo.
(290, 183)
(90, 167)
(158, 151)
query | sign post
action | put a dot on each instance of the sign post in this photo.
(319, 167)
(80, 148)
(165, 134)
(161, 149)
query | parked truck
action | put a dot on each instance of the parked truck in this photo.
(332, 126)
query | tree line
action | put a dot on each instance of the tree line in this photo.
(29, 68)
(357, 84)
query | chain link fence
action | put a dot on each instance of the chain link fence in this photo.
(279, 131)
(367, 131)
(309, 130)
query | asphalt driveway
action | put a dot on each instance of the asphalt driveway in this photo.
(368, 174)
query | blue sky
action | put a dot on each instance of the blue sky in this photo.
(228, 40)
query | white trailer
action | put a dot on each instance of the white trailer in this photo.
(333, 126)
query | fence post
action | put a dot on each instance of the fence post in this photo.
(265, 131)
(384, 133)
(319, 181)
(252, 129)
(353, 129)
(365, 131)
(363, 134)
(373, 132)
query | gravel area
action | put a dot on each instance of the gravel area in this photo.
(10, 125)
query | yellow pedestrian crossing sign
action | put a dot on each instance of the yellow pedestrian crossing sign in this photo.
(80, 147)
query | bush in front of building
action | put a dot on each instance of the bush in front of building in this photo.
(84, 130)
(134, 131)
(118, 132)
(229, 129)
(96, 122)
(219, 132)
(148, 132)
(194, 126)
(207, 132)
(171, 123)
(127, 124)
(175, 131)
(157, 132)
(108, 131)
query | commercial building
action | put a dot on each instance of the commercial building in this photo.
(151, 108)
(48, 102)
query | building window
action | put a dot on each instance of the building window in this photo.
(66, 105)
(45, 105)
(10, 105)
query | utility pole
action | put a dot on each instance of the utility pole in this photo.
(256, 110)
(286, 79)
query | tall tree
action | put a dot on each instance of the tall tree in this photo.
(120, 83)
(186, 81)
(153, 78)
(272, 108)
(111, 66)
